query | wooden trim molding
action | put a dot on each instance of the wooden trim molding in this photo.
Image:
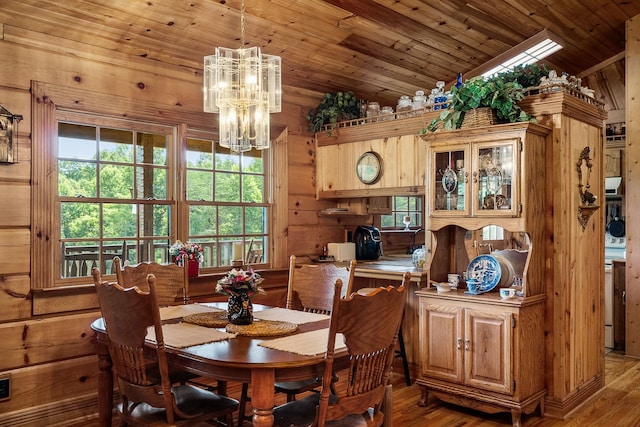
(44, 129)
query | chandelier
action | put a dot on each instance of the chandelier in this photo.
(243, 86)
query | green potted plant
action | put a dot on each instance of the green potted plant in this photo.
(526, 75)
(334, 108)
(499, 94)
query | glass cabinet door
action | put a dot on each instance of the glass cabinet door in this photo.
(494, 178)
(449, 181)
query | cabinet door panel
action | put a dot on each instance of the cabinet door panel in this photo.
(442, 342)
(488, 350)
(495, 178)
(448, 181)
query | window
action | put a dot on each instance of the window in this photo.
(105, 186)
(227, 201)
(402, 206)
(116, 197)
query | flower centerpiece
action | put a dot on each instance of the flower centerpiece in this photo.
(240, 286)
(191, 253)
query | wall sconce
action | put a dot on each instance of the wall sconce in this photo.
(8, 136)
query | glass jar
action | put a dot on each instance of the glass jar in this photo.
(386, 113)
(404, 106)
(373, 111)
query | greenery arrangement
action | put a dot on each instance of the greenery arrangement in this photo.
(500, 92)
(334, 108)
(239, 281)
(526, 75)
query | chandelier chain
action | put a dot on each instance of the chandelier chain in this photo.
(242, 24)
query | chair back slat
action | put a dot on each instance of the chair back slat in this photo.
(310, 286)
(172, 280)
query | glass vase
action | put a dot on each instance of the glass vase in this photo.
(240, 309)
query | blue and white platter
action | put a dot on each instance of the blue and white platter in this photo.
(487, 270)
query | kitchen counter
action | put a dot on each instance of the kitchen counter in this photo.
(390, 267)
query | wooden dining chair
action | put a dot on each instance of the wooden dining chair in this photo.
(148, 397)
(310, 288)
(400, 352)
(369, 324)
(172, 280)
(172, 287)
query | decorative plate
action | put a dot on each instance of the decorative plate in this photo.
(449, 180)
(486, 269)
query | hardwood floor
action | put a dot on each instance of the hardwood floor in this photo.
(615, 405)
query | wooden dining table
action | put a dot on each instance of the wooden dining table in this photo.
(239, 359)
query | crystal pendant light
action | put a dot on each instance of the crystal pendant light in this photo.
(243, 86)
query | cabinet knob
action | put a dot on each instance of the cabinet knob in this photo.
(459, 341)
(475, 177)
(466, 345)
(466, 177)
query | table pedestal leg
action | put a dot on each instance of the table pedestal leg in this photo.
(262, 396)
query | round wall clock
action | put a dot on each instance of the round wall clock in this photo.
(369, 167)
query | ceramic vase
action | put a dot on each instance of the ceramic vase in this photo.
(240, 309)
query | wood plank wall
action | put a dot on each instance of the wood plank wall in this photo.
(47, 349)
(632, 192)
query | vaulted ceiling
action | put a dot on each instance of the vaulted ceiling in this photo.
(380, 49)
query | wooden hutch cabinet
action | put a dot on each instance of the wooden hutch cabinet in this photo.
(545, 347)
(479, 350)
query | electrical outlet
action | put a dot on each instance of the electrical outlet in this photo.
(5, 387)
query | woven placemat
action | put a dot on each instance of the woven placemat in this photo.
(216, 319)
(263, 328)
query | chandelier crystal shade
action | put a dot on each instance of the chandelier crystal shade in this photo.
(243, 86)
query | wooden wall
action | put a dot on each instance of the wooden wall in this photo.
(632, 193)
(47, 346)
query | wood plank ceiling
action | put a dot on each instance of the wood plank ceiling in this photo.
(380, 49)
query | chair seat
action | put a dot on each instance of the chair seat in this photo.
(302, 413)
(297, 387)
(199, 404)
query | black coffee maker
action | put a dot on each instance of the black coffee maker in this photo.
(368, 243)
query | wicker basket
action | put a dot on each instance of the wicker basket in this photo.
(483, 116)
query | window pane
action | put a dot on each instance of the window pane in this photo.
(119, 220)
(76, 141)
(79, 220)
(77, 179)
(227, 187)
(154, 220)
(227, 161)
(202, 220)
(255, 220)
(116, 182)
(199, 154)
(404, 206)
(230, 220)
(252, 161)
(151, 149)
(199, 185)
(252, 188)
(151, 183)
(116, 145)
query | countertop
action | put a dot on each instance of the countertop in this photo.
(390, 267)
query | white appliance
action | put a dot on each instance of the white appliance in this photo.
(612, 185)
(342, 251)
(614, 248)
